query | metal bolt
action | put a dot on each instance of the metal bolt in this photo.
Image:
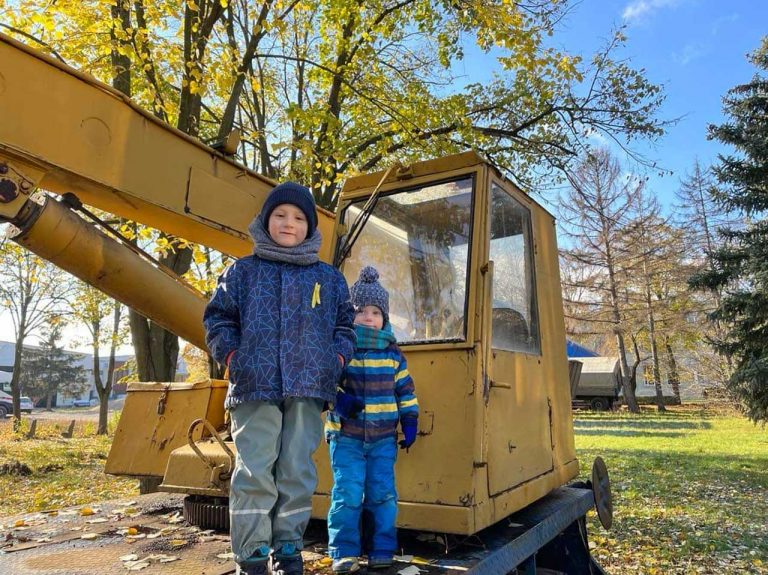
(25, 185)
(3, 168)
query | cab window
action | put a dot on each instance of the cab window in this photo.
(514, 314)
(418, 239)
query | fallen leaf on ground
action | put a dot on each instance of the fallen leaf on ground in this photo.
(129, 557)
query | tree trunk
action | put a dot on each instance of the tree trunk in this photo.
(156, 349)
(654, 349)
(96, 358)
(48, 398)
(16, 376)
(674, 377)
(121, 62)
(629, 392)
(107, 390)
(635, 364)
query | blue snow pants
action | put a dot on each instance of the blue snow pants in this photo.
(363, 480)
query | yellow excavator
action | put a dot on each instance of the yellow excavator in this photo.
(472, 264)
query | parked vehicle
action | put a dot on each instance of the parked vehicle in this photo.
(83, 403)
(26, 404)
(6, 404)
(599, 383)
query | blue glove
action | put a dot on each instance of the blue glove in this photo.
(409, 426)
(347, 405)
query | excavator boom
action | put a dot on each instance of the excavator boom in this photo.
(66, 132)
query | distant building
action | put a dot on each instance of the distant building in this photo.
(85, 360)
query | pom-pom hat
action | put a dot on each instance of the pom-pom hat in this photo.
(368, 291)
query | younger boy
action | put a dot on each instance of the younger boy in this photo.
(282, 321)
(362, 431)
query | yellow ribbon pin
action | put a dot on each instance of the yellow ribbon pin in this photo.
(316, 296)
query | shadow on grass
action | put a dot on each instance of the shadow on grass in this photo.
(678, 467)
(608, 423)
(630, 432)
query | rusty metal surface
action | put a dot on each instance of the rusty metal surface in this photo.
(162, 534)
(150, 527)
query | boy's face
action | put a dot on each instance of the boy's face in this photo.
(287, 225)
(370, 316)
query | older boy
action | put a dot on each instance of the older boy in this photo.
(282, 321)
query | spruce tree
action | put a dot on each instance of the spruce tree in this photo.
(50, 369)
(739, 267)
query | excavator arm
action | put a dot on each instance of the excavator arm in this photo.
(66, 132)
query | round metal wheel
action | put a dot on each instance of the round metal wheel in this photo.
(207, 512)
(601, 488)
(599, 404)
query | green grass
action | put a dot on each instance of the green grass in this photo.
(690, 491)
(64, 472)
(690, 487)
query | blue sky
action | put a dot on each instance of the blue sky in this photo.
(696, 49)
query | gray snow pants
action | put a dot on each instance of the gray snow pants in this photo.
(270, 497)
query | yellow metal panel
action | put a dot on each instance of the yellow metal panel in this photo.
(186, 472)
(155, 420)
(439, 518)
(518, 421)
(213, 199)
(513, 500)
(552, 325)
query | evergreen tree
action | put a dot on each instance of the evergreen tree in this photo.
(50, 369)
(740, 267)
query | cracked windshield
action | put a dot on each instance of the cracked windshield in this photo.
(418, 239)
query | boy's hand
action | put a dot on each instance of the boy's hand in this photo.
(409, 426)
(347, 405)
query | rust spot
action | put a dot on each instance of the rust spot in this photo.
(8, 191)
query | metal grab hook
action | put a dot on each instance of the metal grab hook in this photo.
(213, 467)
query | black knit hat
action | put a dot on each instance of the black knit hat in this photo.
(291, 193)
(368, 291)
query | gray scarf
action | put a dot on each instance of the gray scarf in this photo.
(265, 247)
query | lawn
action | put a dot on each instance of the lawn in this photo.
(690, 487)
(690, 491)
(50, 471)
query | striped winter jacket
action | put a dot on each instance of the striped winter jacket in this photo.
(380, 378)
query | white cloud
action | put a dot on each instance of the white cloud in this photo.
(642, 8)
(723, 21)
(690, 52)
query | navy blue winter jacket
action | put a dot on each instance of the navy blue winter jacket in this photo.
(284, 329)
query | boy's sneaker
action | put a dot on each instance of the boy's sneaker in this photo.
(256, 564)
(287, 561)
(380, 562)
(345, 565)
